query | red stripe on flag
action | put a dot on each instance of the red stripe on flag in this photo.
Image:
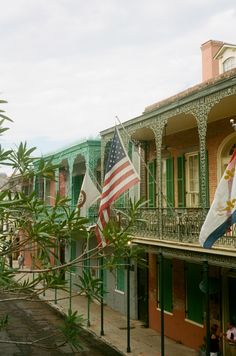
(119, 192)
(115, 172)
(116, 183)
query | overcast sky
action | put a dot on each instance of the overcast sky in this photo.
(68, 67)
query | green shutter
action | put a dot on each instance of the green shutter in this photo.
(170, 182)
(181, 181)
(194, 296)
(151, 184)
(167, 284)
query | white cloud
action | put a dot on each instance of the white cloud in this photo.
(67, 67)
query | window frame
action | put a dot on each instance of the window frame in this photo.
(192, 194)
(229, 63)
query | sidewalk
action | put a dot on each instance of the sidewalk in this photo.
(143, 341)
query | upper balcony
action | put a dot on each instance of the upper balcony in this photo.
(176, 226)
(181, 147)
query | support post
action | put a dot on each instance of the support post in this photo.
(161, 298)
(128, 304)
(70, 280)
(102, 295)
(88, 298)
(207, 307)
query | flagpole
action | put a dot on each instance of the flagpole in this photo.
(128, 303)
(102, 294)
(161, 299)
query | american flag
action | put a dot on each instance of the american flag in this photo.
(120, 175)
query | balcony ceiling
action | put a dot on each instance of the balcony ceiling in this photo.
(226, 108)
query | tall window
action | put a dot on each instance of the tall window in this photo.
(192, 180)
(229, 63)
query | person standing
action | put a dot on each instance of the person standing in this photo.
(214, 341)
(21, 260)
(230, 337)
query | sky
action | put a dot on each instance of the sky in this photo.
(68, 67)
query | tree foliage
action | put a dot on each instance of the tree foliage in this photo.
(28, 223)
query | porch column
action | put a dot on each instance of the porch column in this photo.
(70, 189)
(57, 180)
(125, 139)
(201, 116)
(44, 189)
(57, 247)
(103, 149)
(161, 300)
(158, 131)
(34, 184)
(207, 306)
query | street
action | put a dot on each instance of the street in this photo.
(29, 321)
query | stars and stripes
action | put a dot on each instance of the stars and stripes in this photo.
(120, 175)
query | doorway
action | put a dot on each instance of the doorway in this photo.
(142, 279)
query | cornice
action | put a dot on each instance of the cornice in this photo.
(190, 252)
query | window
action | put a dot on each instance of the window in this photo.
(167, 284)
(229, 63)
(194, 296)
(120, 276)
(192, 180)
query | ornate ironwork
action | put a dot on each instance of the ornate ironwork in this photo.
(178, 225)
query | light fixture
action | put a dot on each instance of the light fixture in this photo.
(233, 124)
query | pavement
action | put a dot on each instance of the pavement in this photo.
(143, 341)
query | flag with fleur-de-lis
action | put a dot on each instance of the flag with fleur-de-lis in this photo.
(222, 213)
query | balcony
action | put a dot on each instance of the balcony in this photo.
(180, 225)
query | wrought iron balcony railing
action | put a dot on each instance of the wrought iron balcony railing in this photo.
(177, 225)
(170, 224)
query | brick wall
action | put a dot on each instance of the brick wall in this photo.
(176, 327)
